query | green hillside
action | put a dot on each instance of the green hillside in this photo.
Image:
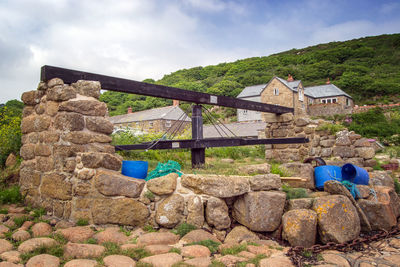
(366, 68)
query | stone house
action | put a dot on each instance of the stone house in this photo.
(292, 93)
(153, 120)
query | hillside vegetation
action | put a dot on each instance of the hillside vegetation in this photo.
(366, 68)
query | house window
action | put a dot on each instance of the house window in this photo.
(301, 96)
(310, 101)
(329, 100)
(347, 102)
(276, 91)
(244, 112)
(168, 124)
(150, 124)
(323, 101)
(334, 100)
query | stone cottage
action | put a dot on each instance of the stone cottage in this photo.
(325, 99)
(153, 120)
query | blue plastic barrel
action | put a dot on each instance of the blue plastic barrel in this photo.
(355, 174)
(135, 168)
(326, 173)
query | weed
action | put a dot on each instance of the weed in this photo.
(397, 186)
(123, 230)
(4, 211)
(20, 220)
(277, 169)
(143, 264)
(111, 248)
(319, 257)
(253, 244)
(56, 251)
(331, 128)
(60, 238)
(216, 263)
(148, 228)
(256, 261)
(307, 253)
(175, 250)
(183, 229)
(82, 222)
(37, 213)
(136, 254)
(292, 193)
(150, 195)
(234, 250)
(212, 245)
(91, 241)
(10, 195)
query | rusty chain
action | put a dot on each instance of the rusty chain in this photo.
(298, 254)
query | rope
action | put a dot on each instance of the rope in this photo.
(352, 188)
(220, 123)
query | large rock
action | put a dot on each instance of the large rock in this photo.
(164, 185)
(216, 185)
(337, 188)
(11, 160)
(300, 203)
(87, 88)
(35, 123)
(56, 185)
(199, 235)
(34, 243)
(113, 235)
(239, 234)
(41, 229)
(81, 263)
(31, 98)
(111, 183)
(118, 261)
(83, 138)
(195, 209)
(43, 260)
(303, 170)
(381, 178)
(27, 151)
(265, 182)
(11, 256)
(195, 251)
(95, 160)
(338, 220)
(162, 260)
(61, 93)
(85, 107)
(278, 261)
(300, 227)
(343, 139)
(124, 211)
(260, 211)
(170, 211)
(343, 152)
(99, 124)
(82, 251)
(161, 238)
(5, 245)
(365, 152)
(217, 213)
(67, 121)
(77, 234)
(263, 168)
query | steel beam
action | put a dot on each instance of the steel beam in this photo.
(141, 88)
(210, 142)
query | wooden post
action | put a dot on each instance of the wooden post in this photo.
(198, 154)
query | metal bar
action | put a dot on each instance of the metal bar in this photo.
(212, 142)
(198, 154)
(140, 88)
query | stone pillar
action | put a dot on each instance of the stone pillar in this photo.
(62, 125)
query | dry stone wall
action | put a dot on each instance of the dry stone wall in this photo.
(343, 146)
(70, 169)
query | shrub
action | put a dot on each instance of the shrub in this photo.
(10, 134)
(331, 128)
(82, 222)
(183, 229)
(292, 193)
(277, 169)
(212, 245)
(10, 195)
(397, 186)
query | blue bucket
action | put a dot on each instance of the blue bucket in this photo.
(355, 174)
(135, 168)
(326, 173)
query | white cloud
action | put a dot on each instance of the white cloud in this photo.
(146, 39)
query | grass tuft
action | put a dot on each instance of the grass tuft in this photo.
(10, 195)
(212, 245)
(82, 222)
(183, 229)
(234, 250)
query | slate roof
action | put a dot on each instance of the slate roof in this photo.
(246, 129)
(254, 90)
(292, 85)
(164, 113)
(326, 90)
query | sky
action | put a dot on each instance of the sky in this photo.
(139, 39)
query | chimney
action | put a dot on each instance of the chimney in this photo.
(175, 103)
(290, 78)
(328, 81)
(129, 110)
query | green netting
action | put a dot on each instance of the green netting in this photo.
(163, 169)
